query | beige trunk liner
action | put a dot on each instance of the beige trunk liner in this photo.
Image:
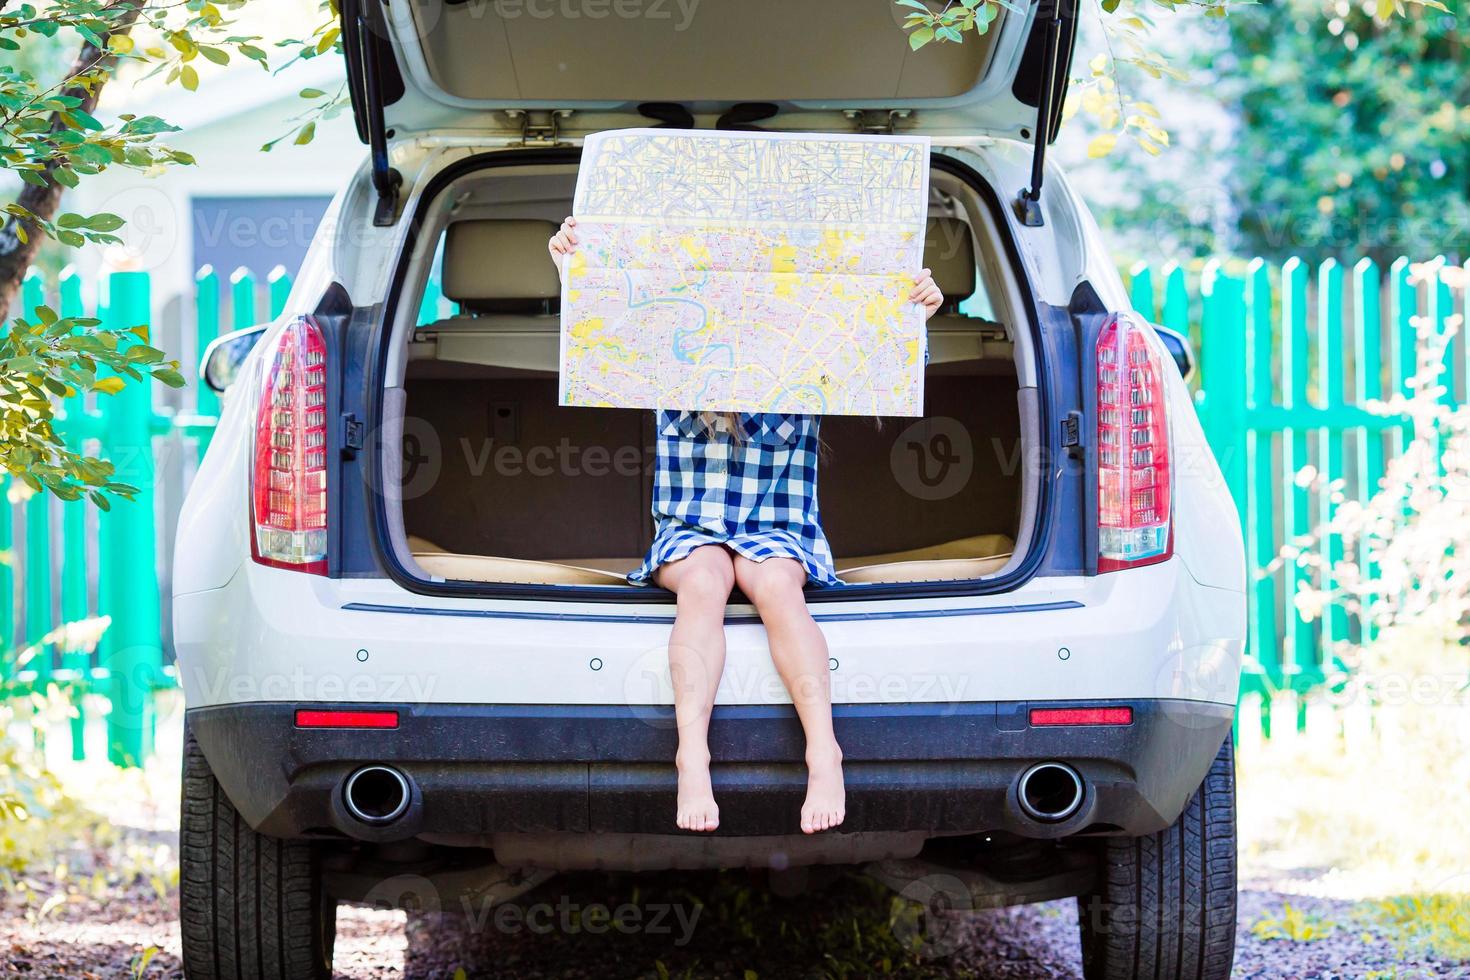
(966, 558)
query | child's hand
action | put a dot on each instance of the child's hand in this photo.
(926, 293)
(563, 242)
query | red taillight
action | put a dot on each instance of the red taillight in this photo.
(1134, 477)
(1081, 716)
(289, 488)
(316, 718)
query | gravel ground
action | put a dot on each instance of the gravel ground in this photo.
(738, 925)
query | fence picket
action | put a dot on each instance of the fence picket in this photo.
(1261, 542)
(206, 329)
(37, 575)
(242, 299)
(1331, 373)
(1141, 291)
(278, 286)
(1297, 519)
(1176, 312)
(1368, 351)
(133, 644)
(75, 663)
(7, 579)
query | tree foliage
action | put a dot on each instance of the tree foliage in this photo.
(1102, 90)
(1354, 133)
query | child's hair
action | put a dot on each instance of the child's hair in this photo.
(710, 422)
(727, 422)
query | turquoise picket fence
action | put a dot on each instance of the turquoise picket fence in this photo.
(72, 562)
(1289, 358)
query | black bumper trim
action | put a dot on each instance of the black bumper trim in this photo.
(737, 620)
(481, 769)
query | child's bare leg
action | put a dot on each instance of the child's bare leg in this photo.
(799, 651)
(702, 582)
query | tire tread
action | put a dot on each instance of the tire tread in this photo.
(1165, 904)
(251, 907)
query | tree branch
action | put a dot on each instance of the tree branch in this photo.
(17, 256)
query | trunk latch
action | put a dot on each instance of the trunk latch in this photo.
(877, 121)
(539, 127)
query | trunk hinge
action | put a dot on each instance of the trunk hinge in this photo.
(877, 121)
(1027, 203)
(538, 126)
(386, 180)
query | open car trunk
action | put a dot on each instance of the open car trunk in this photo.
(500, 484)
(532, 492)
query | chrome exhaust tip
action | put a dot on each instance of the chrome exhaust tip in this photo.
(376, 795)
(1050, 791)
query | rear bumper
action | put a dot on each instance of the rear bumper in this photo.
(478, 770)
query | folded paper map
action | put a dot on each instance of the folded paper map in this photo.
(746, 272)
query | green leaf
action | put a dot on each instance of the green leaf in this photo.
(920, 38)
(170, 377)
(307, 133)
(87, 120)
(312, 93)
(189, 78)
(217, 55)
(104, 222)
(144, 354)
(949, 34)
(71, 220)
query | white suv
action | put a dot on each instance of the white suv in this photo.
(402, 627)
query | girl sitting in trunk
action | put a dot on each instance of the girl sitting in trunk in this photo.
(735, 503)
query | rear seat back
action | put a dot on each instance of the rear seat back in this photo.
(499, 265)
(508, 290)
(949, 255)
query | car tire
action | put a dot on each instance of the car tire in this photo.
(1164, 906)
(249, 905)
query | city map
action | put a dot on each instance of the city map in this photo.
(746, 272)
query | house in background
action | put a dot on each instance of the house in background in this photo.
(237, 207)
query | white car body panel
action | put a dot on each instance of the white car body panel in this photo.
(274, 635)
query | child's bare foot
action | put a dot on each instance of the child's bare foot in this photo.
(696, 807)
(826, 799)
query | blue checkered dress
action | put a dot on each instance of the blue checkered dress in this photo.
(755, 494)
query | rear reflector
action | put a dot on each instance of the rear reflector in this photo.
(1081, 716)
(315, 718)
